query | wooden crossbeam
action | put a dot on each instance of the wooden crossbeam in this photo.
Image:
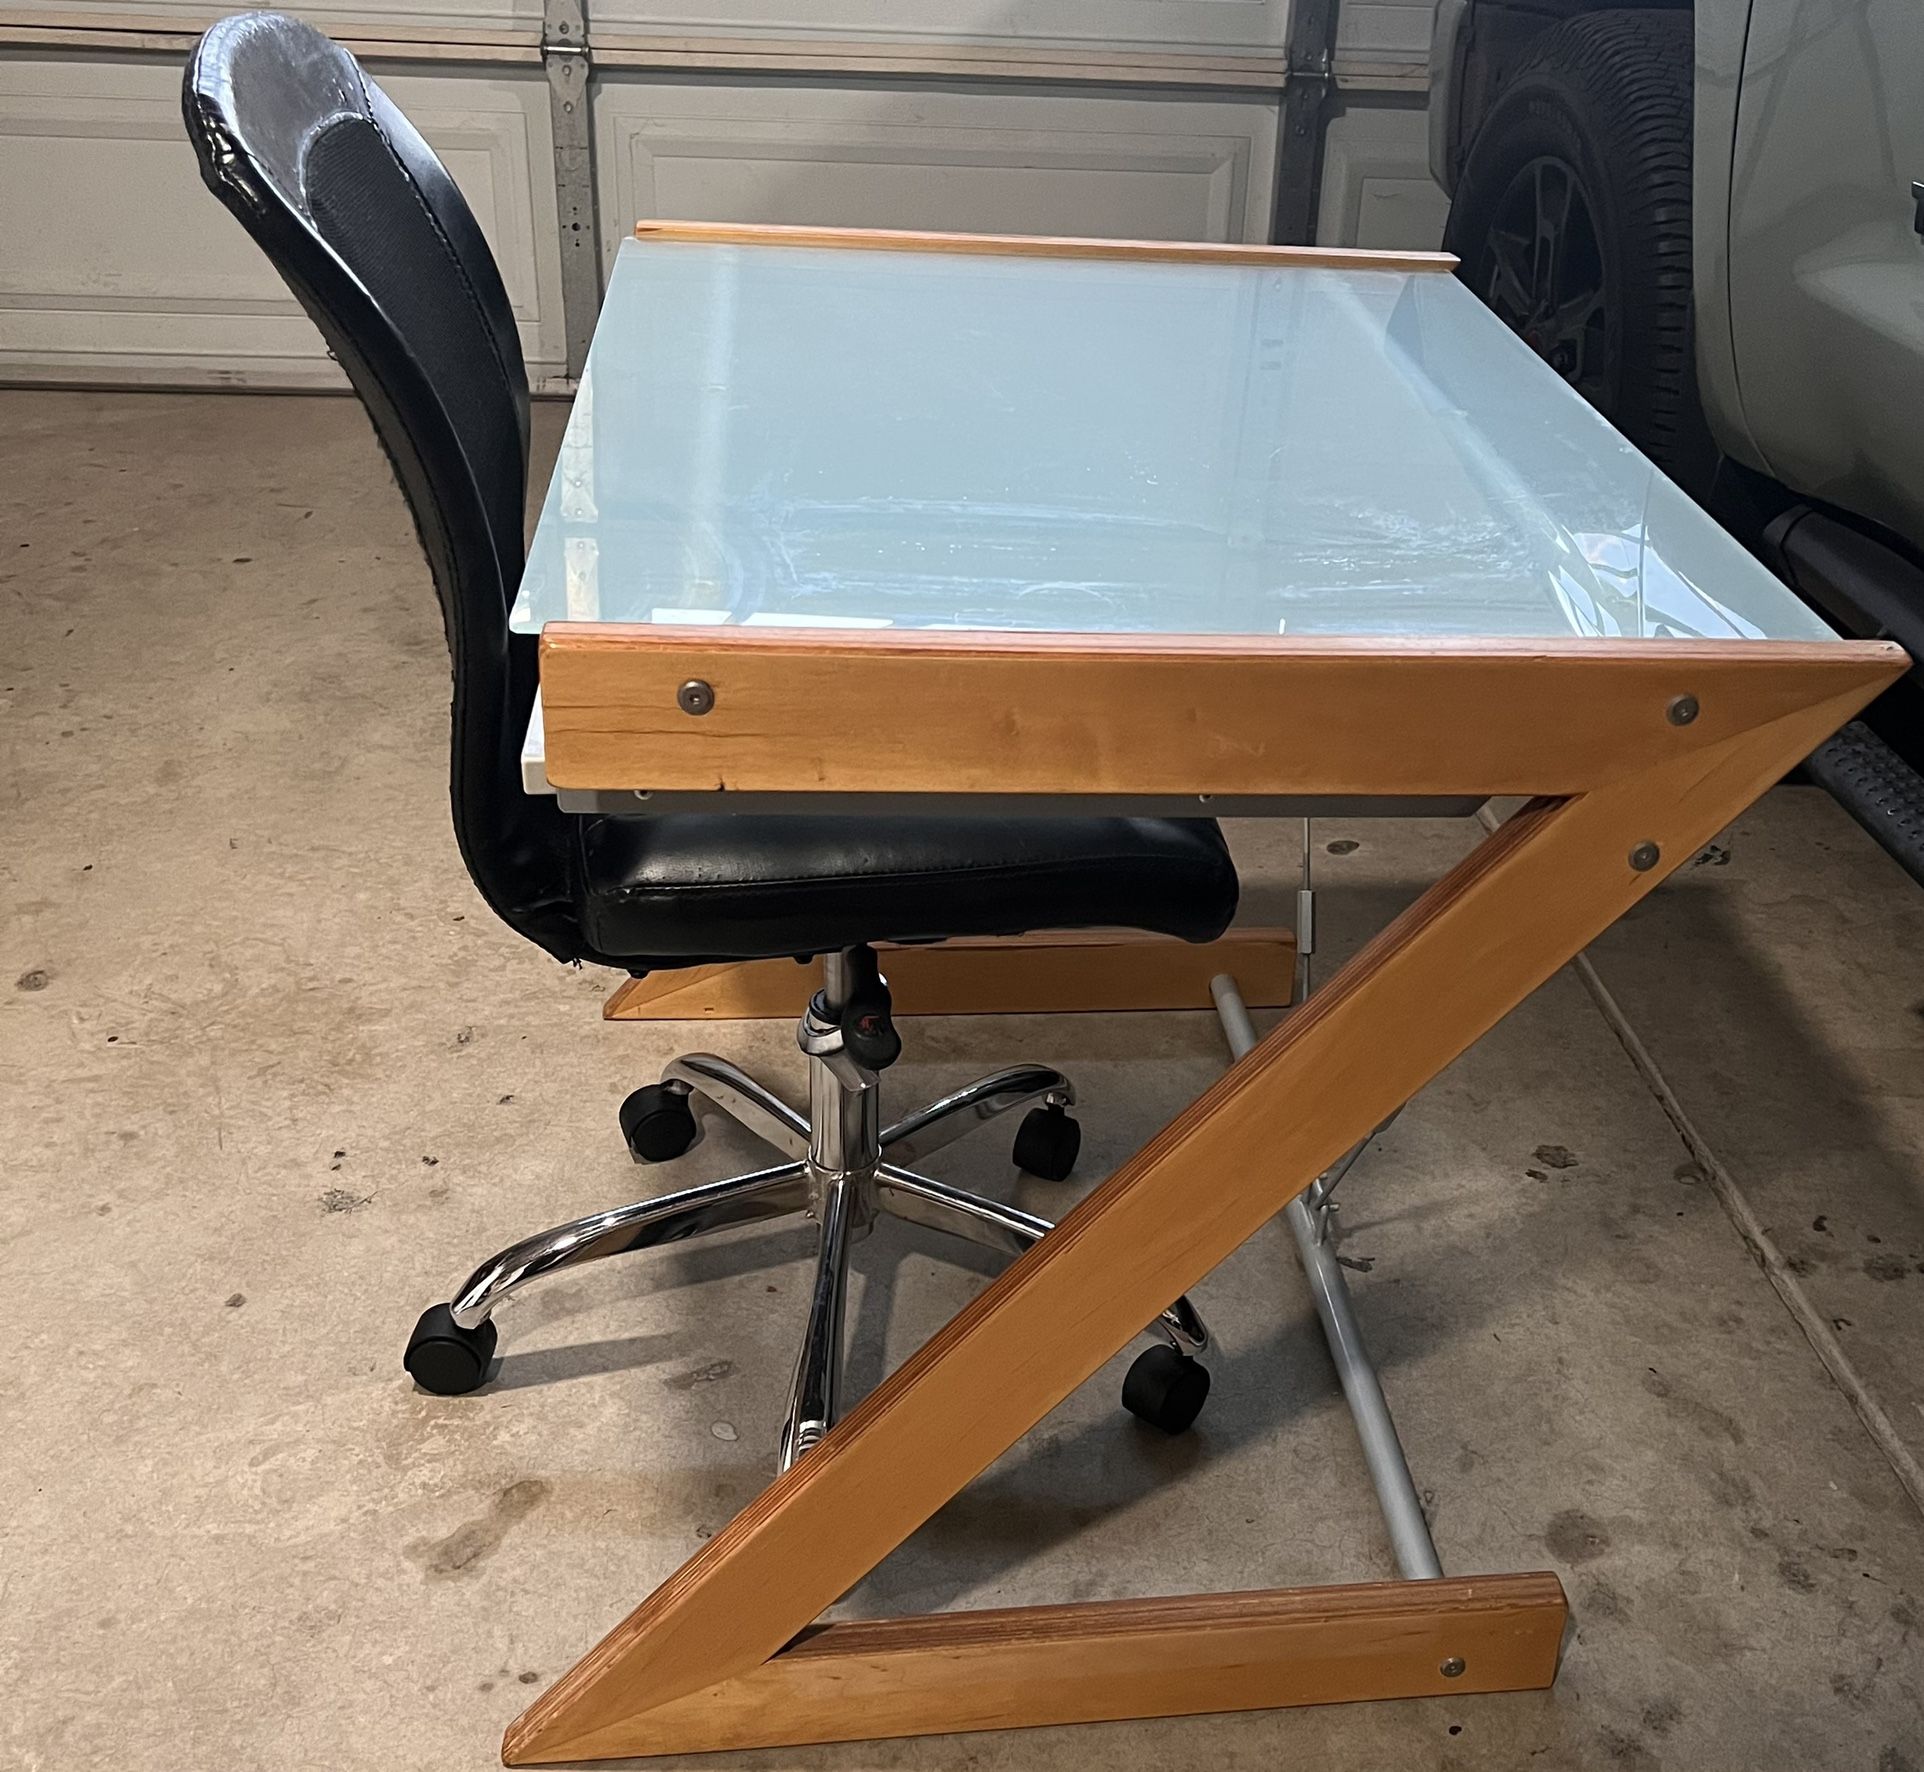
(987, 713)
(954, 1671)
(1050, 973)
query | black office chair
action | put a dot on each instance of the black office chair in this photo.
(371, 235)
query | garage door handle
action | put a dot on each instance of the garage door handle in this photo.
(1917, 197)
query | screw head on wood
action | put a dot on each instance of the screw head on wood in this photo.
(1452, 1667)
(695, 696)
(1682, 711)
(1645, 857)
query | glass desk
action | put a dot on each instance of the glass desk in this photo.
(849, 520)
(826, 439)
(819, 437)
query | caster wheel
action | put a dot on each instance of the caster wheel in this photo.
(1046, 1144)
(658, 1123)
(1165, 1388)
(446, 1359)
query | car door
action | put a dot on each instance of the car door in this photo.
(1826, 264)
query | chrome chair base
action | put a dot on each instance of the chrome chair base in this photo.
(841, 1168)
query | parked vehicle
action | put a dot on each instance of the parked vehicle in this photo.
(1703, 216)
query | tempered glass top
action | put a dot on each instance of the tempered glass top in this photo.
(800, 436)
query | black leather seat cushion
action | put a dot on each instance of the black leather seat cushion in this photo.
(694, 887)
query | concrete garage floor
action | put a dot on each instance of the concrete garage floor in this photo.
(275, 1080)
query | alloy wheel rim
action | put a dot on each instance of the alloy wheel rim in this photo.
(1543, 273)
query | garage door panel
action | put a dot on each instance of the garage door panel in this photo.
(1377, 190)
(119, 260)
(1180, 26)
(1389, 29)
(990, 160)
(1135, 24)
(120, 268)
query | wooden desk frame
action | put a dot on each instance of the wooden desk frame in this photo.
(1634, 754)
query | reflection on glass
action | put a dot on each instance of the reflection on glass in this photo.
(581, 561)
(806, 437)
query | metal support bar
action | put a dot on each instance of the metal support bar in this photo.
(1320, 1191)
(1382, 1450)
(1308, 83)
(569, 66)
(1305, 920)
(815, 1397)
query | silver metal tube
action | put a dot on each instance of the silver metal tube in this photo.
(1306, 920)
(1382, 1451)
(1319, 1191)
(835, 978)
(815, 1397)
(844, 1124)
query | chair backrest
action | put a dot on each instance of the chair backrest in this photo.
(373, 238)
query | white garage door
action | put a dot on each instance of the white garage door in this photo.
(1138, 118)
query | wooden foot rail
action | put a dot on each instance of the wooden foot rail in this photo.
(955, 1671)
(1052, 973)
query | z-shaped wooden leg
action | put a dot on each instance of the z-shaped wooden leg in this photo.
(721, 1654)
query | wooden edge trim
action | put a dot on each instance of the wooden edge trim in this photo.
(1161, 1615)
(1066, 972)
(641, 636)
(1038, 246)
(1176, 1656)
(1128, 714)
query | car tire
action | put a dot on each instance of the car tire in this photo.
(1591, 139)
